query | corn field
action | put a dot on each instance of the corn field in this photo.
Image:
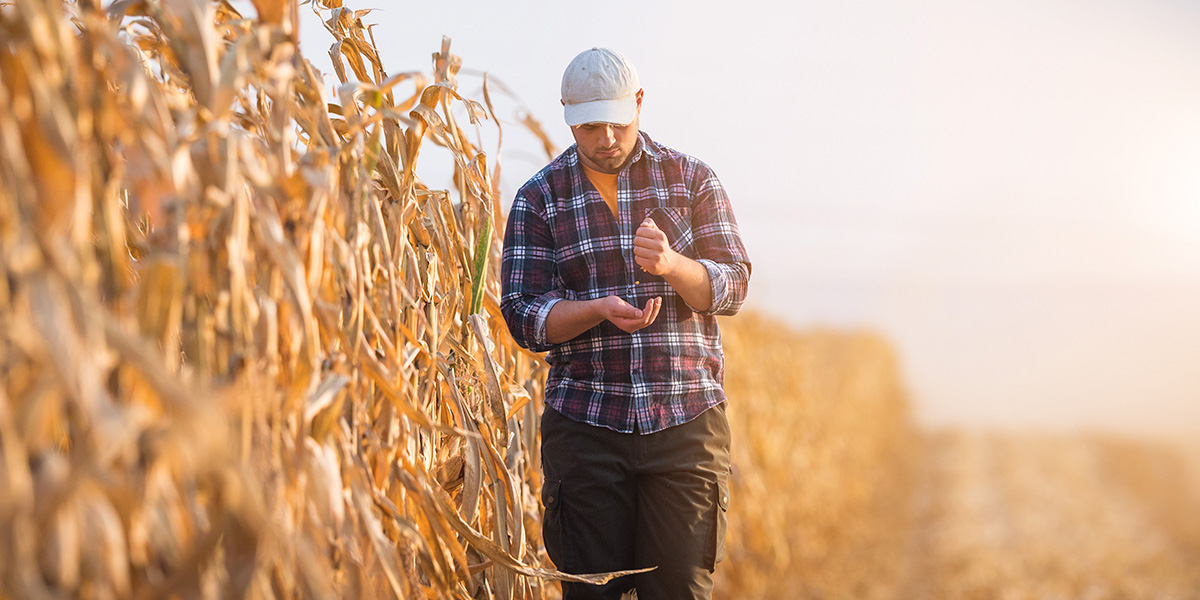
(823, 457)
(836, 495)
(245, 350)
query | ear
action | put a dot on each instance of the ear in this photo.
(639, 98)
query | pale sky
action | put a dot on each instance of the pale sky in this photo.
(1009, 191)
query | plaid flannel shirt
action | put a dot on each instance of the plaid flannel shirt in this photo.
(563, 243)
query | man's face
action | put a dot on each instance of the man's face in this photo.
(605, 147)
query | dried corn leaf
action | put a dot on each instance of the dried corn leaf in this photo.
(244, 368)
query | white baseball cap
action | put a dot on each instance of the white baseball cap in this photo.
(600, 86)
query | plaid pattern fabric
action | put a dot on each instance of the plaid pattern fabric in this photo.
(563, 243)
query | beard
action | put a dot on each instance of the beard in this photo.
(605, 159)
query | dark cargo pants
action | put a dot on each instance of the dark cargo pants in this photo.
(617, 501)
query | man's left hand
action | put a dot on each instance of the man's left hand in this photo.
(652, 250)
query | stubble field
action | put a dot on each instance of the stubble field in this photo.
(840, 496)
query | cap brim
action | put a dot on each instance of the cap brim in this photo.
(617, 112)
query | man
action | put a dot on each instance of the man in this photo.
(617, 257)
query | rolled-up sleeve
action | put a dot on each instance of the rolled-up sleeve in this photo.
(719, 245)
(528, 274)
(729, 284)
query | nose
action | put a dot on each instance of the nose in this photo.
(608, 135)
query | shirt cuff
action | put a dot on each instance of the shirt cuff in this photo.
(718, 282)
(539, 321)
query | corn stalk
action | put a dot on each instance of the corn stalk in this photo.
(244, 349)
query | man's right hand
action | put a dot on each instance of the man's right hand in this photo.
(568, 319)
(627, 316)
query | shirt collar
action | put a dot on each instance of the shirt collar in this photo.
(643, 146)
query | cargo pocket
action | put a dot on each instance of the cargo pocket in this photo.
(716, 546)
(552, 521)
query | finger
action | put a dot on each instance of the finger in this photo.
(648, 264)
(620, 309)
(629, 312)
(654, 311)
(652, 308)
(648, 222)
(650, 241)
(650, 232)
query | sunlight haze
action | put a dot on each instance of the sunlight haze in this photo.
(1010, 192)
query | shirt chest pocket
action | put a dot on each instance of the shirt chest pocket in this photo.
(676, 222)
